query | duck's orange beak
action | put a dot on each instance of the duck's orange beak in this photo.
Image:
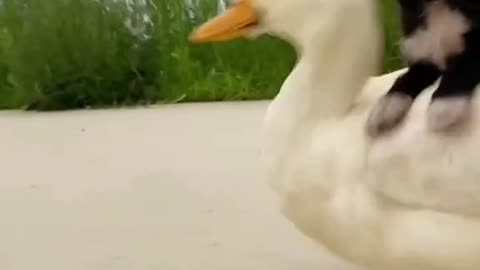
(232, 24)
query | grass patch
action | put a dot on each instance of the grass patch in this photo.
(66, 54)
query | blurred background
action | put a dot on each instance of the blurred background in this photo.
(69, 54)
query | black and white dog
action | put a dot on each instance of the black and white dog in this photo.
(441, 39)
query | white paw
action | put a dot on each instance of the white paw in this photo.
(388, 113)
(449, 114)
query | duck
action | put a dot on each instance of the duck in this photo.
(406, 200)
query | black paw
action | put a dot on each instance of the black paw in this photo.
(388, 113)
(449, 114)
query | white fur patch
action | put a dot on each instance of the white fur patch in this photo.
(441, 38)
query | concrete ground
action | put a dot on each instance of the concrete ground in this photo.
(167, 188)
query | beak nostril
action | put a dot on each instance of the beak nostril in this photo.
(234, 23)
(251, 24)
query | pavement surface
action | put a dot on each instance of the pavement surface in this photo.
(175, 187)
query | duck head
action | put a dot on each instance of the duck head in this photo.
(296, 21)
(251, 18)
(337, 43)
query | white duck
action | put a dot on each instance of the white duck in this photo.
(423, 212)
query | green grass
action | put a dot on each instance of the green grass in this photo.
(391, 28)
(66, 54)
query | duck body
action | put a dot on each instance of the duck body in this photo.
(406, 201)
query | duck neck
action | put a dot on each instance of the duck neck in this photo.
(337, 54)
(331, 71)
(336, 57)
(322, 86)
